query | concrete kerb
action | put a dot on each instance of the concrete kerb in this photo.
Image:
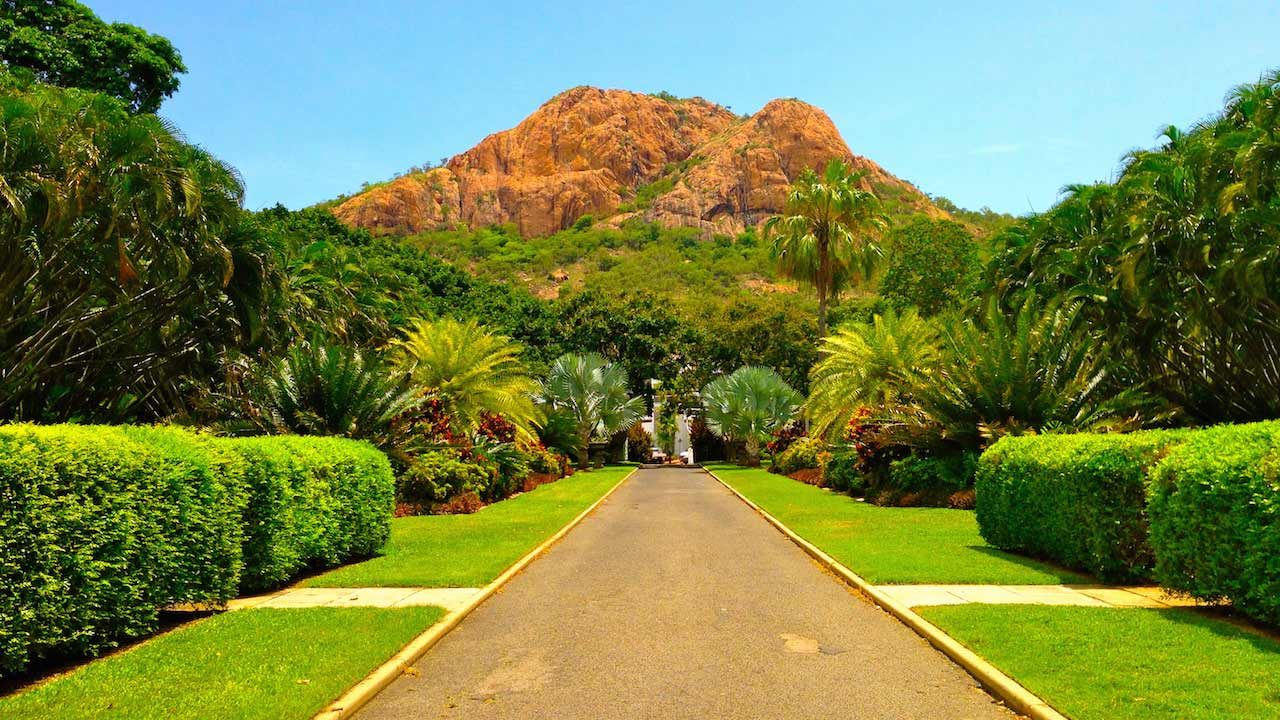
(373, 683)
(1002, 686)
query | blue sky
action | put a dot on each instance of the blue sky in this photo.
(995, 104)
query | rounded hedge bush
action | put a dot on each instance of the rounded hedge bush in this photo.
(1215, 517)
(101, 527)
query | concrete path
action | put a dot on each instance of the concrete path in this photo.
(1078, 595)
(675, 600)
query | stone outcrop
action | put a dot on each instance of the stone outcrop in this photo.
(589, 151)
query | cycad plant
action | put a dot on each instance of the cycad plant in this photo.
(593, 394)
(323, 390)
(473, 372)
(747, 406)
(826, 234)
(869, 364)
(1036, 369)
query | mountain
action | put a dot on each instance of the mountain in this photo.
(615, 155)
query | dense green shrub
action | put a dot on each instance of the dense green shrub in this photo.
(313, 502)
(802, 454)
(1079, 500)
(437, 476)
(97, 532)
(916, 473)
(842, 473)
(1215, 517)
(101, 527)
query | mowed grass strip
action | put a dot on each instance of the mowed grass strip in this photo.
(1124, 664)
(889, 545)
(266, 664)
(472, 550)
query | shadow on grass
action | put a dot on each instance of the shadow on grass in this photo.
(42, 671)
(1064, 575)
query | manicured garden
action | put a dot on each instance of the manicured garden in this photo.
(264, 664)
(1125, 664)
(889, 545)
(471, 550)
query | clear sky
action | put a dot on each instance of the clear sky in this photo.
(996, 104)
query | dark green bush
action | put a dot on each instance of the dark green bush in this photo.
(841, 472)
(916, 473)
(1215, 517)
(101, 527)
(1078, 500)
(437, 476)
(802, 454)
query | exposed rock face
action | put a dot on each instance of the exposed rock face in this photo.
(587, 150)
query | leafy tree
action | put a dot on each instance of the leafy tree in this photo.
(593, 392)
(128, 263)
(64, 43)
(931, 265)
(870, 364)
(826, 233)
(1178, 261)
(772, 331)
(471, 371)
(635, 329)
(748, 406)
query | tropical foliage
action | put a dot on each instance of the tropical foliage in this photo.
(472, 372)
(128, 262)
(593, 394)
(61, 42)
(1178, 261)
(875, 363)
(826, 235)
(747, 406)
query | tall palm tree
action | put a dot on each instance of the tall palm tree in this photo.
(472, 371)
(869, 364)
(593, 393)
(827, 233)
(748, 405)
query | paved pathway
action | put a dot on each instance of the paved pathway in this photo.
(675, 600)
(1080, 595)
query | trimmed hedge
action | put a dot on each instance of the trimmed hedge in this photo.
(1078, 500)
(101, 527)
(1215, 517)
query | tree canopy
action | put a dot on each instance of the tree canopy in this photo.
(64, 43)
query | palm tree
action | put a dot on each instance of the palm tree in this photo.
(827, 232)
(593, 393)
(472, 371)
(869, 364)
(748, 405)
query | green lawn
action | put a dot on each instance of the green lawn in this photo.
(249, 664)
(472, 550)
(889, 545)
(1113, 664)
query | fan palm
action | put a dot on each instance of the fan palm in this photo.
(471, 371)
(593, 393)
(748, 405)
(826, 235)
(869, 364)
